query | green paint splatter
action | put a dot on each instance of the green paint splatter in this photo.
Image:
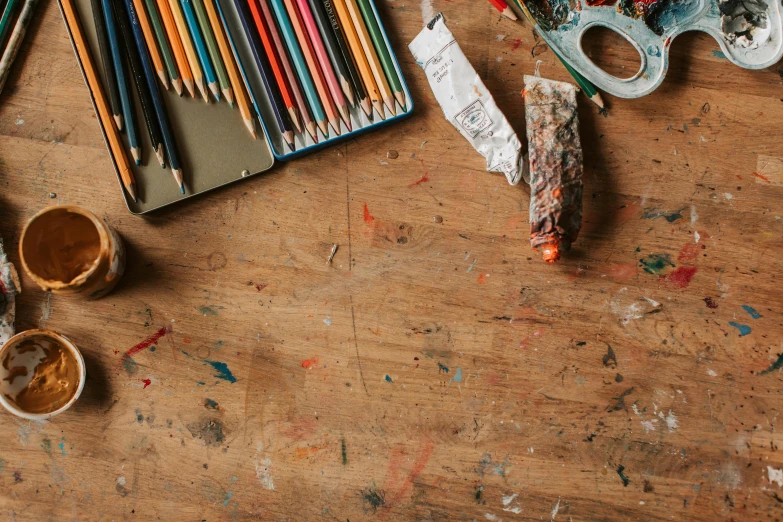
(228, 498)
(129, 365)
(345, 453)
(625, 479)
(222, 370)
(210, 404)
(209, 310)
(442, 368)
(46, 445)
(388, 379)
(656, 263)
(777, 365)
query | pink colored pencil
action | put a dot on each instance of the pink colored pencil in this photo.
(323, 59)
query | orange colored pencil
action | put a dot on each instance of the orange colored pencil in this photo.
(362, 65)
(176, 46)
(94, 84)
(312, 63)
(152, 44)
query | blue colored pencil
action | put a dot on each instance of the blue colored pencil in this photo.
(122, 82)
(275, 99)
(234, 51)
(201, 47)
(160, 110)
(302, 71)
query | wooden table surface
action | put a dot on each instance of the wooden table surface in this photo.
(437, 369)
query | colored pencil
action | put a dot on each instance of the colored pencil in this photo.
(504, 9)
(265, 69)
(231, 69)
(274, 62)
(239, 65)
(110, 80)
(212, 48)
(304, 111)
(332, 50)
(157, 101)
(152, 45)
(15, 41)
(165, 48)
(586, 85)
(122, 81)
(376, 35)
(312, 65)
(201, 47)
(345, 52)
(323, 61)
(137, 73)
(300, 65)
(5, 19)
(94, 84)
(176, 46)
(372, 56)
(190, 51)
(362, 65)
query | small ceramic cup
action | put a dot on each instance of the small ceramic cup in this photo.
(66, 249)
(7, 369)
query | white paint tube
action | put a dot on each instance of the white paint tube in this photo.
(466, 102)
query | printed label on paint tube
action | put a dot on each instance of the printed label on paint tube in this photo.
(466, 102)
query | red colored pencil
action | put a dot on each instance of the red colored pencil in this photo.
(274, 61)
(504, 9)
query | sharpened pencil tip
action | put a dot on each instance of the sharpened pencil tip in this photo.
(182, 189)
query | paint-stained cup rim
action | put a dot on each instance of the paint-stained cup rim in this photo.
(64, 341)
(47, 284)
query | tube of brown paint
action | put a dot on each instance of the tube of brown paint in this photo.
(555, 165)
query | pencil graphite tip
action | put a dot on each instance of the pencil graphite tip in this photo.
(400, 99)
(131, 188)
(251, 127)
(159, 154)
(213, 86)
(366, 107)
(389, 101)
(189, 86)
(177, 86)
(335, 123)
(164, 79)
(289, 139)
(345, 115)
(347, 90)
(118, 121)
(178, 178)
(294, 114)
(324, 128)
(312, 131)
(379, 108)
(136, 153)
(228, 95)
(182, 189)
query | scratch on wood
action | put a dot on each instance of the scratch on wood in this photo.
(356, 345)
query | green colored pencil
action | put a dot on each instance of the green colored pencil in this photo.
(5, 20)
(163, 43)
(212, 49)
(383, 52)
(585, 84)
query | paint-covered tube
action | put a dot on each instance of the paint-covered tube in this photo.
(9, 287)
(555, 165)
(465, 100)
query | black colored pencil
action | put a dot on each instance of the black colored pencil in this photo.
(137, 72)
(109, 78)
(356, 81)
(160, 109)
(330, 43)
(275, 98)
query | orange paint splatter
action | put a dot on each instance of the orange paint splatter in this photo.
(762, 177)
(186, 340)
(367, 216)
(482, 279)
(302, 453)
(423, 179)
(309, 363)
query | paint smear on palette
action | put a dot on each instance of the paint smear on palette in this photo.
(621, 272)
(457, 376)
(777, 365)
(654, 213)
(309, 363)
(223, 372)
(368, 218)
(751, 311)
(743, 328)
(680, 278)
(656, 263)
(149, 341)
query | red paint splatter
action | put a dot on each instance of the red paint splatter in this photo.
(710, 303)
(738, 176)
(515, 44)
(621, 272)
(398, 457)
(149, 341)
(681, 277)
(523, 343)
(116, 352)
(261, 286)
(425, 178)
(186, 340)
(367, 216)
(309, 363)
(146, 382)
(762, 177)
(482, 279)
(689, 253)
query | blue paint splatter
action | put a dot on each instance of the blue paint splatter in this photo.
(719, 54)
(654, 50)
(62, 446)
(442, 368)
(228, 497)
(777, 365)
(222, 370)
(654, 213)
(388, 379)
(457, 376)
(751, 311)
(743, 328)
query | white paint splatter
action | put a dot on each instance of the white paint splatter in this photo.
(328, 320)
(46, 307)
(530, 449)
(635, 409)
(671, 421)
(19, 121)
(427, 11)
(472, 265)
(694, 215)
(490, 516)
(499, 59)
(556, 508)
(263, 469)
(121, 480)
(649, 425)
(509, 499)
(500, 37)
(775, 475)
(696, 236)
(712, 373)
(514, 509)
(728, 196)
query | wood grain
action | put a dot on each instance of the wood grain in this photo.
(437, 369)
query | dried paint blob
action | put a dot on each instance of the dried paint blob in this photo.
(39, 374)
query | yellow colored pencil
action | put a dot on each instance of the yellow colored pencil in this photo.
(190, 51)
(176, 46)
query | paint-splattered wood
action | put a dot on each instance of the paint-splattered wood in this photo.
(438, 369)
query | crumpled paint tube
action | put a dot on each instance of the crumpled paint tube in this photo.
(9, 287)
(466, 102)
(555, 165)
